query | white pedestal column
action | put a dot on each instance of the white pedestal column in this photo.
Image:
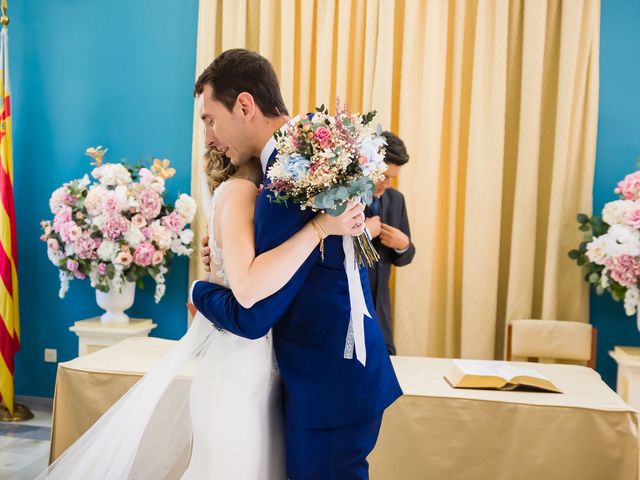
(94, 335)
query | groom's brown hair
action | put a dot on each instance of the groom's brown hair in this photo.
(239, 70)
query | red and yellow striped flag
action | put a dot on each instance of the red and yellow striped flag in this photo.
(9, 316)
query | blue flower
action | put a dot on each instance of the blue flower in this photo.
(295, 166)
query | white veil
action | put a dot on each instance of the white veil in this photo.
(146, 435)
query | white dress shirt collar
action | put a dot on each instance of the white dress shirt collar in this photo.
(266, 153)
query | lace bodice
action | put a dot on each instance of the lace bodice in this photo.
(218, 273)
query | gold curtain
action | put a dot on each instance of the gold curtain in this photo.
(497, 103)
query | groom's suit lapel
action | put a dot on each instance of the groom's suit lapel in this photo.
(272, 158)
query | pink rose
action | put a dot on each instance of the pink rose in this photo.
(72, 265)
(632, 217)
(102, 268)
(114, 226)
(149, 204)
(624, 269)
(64, 230)
(138, 221)
(323, 136)
(157, 257)
(74, 232)
(143, 254)
(362, 159)
(124, 259)
(629, 187)
(174, 222)
(79, 275)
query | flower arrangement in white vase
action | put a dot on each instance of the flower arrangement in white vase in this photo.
(117, 230)
(610, 251)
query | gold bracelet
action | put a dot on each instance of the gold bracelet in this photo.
(321, 234)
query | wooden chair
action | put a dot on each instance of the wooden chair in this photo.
(552, 339)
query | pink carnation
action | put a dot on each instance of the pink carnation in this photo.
(174, 222)
(624, 269)
(149, 204)
(143, 255)
(629, 188)
(147, 232)
(102, 268)
(111, 203)
(114, 226)
(85, 246)
(63, 216)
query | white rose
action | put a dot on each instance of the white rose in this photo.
(614, 212)
(596, 251)
(178, 248)
(94, 198)
(161, 235)
(99, 220)
(134, 236)
(57, 199)
(186, 236)
(621, 240)
(107, 251)
(112, 174)
(186, 207)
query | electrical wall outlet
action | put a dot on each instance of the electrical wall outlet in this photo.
(50, 355)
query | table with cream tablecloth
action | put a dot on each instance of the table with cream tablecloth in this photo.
(433, 431)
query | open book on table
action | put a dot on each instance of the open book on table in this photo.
(496, 375)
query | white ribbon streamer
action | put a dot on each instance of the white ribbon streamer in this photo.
(355, 334)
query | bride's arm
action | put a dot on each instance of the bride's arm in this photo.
(254, 278)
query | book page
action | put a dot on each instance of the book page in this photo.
(495, 368)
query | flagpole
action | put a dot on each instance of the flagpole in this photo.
(4, 19)
(20, 412)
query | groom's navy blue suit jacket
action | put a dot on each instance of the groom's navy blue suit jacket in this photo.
(310, 317)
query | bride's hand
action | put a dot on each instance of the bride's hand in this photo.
(350, 222)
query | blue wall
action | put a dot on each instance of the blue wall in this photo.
(120, 73)
(617, 152)
(85, 72)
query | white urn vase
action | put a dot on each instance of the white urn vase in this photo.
(116, 302)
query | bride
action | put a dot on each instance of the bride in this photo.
(227, 425)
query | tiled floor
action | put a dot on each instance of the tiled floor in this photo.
(24, 446)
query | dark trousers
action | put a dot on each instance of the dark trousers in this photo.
(331, 454)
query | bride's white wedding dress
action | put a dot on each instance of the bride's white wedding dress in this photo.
(225, 424)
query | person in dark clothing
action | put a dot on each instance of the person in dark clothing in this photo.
(389, 227)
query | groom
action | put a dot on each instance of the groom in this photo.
(333, 405)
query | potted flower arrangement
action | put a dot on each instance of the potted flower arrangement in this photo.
(117, 229)
(610, 251)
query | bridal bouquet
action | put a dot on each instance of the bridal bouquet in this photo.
(610, 251)
(324, 161)
(118, 228)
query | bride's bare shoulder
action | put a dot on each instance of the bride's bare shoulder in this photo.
(238, 192)
(240, 187)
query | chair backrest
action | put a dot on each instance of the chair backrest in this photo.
(552, 339)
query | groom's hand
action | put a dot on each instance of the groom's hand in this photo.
(206, 253)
